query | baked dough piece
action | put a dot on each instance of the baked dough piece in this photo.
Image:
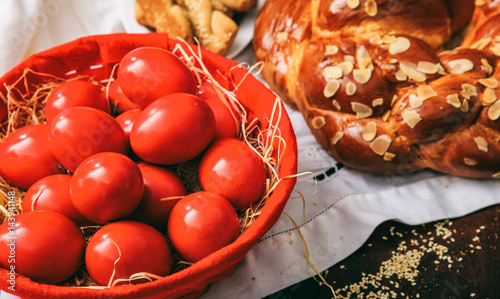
(215, 30)
(164, 16)
(375, 87)
(208, 22)
(239, 5)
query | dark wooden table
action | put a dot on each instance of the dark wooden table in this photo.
(452, 258)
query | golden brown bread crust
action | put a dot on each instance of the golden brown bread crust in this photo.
(215, 30)
(164, 16)
(239, 5)
(375, 87)
(484, 9)
(207, 22)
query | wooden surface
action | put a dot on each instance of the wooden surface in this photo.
(453, 258)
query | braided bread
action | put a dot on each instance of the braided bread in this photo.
(376, 86)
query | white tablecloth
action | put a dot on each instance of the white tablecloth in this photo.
(341, 211)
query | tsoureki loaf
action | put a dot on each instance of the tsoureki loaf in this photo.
(377, 88)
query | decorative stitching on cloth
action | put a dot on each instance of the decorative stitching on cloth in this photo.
(337, 201)
(327, 174)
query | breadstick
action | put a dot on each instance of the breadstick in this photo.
(215, 30)
(165, 16)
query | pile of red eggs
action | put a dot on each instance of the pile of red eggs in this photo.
(102, 165)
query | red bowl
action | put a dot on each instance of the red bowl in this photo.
(96, 56)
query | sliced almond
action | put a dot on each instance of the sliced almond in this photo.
(389, 156)
(362, 76)
(349, 58)
(400, 45)
(460, 66)
(401, 76)
(486, 66)
(427, 67)
(441, 69)
(494, 111)
(468, 91)
(411, 118)
(346, 67)
(318, 122)
(465, 106)
(415, 101)
(410, 69)
(336, 104)
(332, 72)
(337, 137)
(386, 115)
(453, 100)
(353, 4)
(370, 131)
(390, 67)
(426, 92)
(495, 49)
(362, 110)
(377, 102)
(331, 50)
(496, 175)
(394, 99)
(393, 60)
(381, 144)
(364, 59)
(350, 89)
(282, 36)
(371, 8)
(331, 88)
(470, 162)
(488, 82)
(481, 143)
(489, 96)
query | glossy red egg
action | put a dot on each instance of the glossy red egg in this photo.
(51, 193)
(42, 245)
(123, 248)
(148, 73)
(232, 169)
(173, 129)
(80, 132)
(26, 156)
(202, 223)
(162, 190)
(106, 187)
(75, 93)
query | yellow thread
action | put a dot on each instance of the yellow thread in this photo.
(307, 255)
